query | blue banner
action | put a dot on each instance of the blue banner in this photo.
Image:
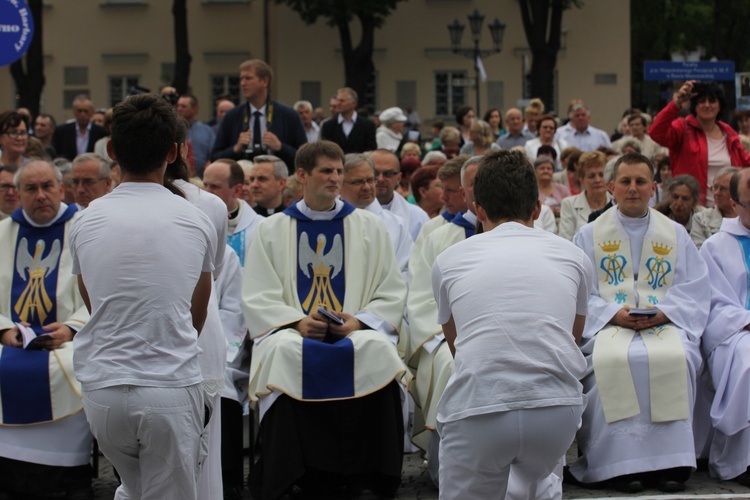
(16, 30)
(663, 71)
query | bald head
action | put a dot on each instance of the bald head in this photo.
(225, 179)
(514, 120)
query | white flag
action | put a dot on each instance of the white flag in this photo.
(482, 72)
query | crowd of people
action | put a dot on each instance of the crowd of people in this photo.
(485, 295)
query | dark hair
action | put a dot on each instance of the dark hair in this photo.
(12, 119)
(143, 132)
(632, 159)
(505, 186)
(422, 179)
(711, 90)
(236, 174)
(308, 154)
(546, 118)
(545, 150)
(462, 111)
(409, 165)
(632, 118)
(178, 169)
(664, 161)
(48, 116)
(734, 185)
(488, 114)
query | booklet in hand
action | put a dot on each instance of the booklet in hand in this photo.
(30, 338)
(322, 310)
(643, 312)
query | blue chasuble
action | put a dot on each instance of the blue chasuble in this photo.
(327, 368)
(459, 220)
(24, 374)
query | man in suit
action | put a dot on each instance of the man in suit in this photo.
(79, 136)
(352, 132)
(261, 126)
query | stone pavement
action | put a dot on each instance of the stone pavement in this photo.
(416, 485)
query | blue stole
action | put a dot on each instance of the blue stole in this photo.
(327, 367)
(447, 216)
(744, 242)
(459, 220)
(237, 242)
(24, 374)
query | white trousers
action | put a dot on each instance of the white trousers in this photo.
(209, 481)
(152, 436)
(478, 453)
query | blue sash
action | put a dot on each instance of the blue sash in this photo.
(327, 369)
(459, 220)
(447, 216)
(237, 242)
(744, 242)
(24, 374)
(320, 258)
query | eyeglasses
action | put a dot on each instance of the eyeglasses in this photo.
(721, 189)
(387, 174)
(360, 182)
(16, 134)
(4, 188)
(87, 182)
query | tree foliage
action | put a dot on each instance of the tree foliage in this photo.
(359, 68)
(29, 81)
(542, 24)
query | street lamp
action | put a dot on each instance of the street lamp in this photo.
(476, 19)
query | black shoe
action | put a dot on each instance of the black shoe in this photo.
(628, 485)
(669, 486)
(82, 494)
(233, 492)
(743, 479)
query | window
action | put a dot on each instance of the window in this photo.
(311, 91)
(119, 87)
(76, 75)
(450, 91)
(226, 85)
(406, 94)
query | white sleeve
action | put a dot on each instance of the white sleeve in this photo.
(441, 294)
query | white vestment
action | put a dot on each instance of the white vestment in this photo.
(414, 216)
(398, 230)
(637, 444)
(726, 345)
(65, 442)
(375, 294)
(238, 235)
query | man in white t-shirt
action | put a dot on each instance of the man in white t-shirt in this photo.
(137, 359)
(514, 403)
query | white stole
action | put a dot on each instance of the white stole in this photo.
(618, 283)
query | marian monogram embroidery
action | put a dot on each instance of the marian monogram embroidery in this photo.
(658, 266)
(34, 303)
(613, 263)
(325, 267)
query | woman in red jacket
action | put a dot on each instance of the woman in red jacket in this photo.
(700, 144)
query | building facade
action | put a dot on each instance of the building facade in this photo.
(103, 47)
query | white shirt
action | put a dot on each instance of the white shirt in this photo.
(514, 348)
(141, 330)
(347, 125)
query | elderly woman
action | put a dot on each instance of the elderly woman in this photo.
(411, 150)
(550, 193)
(14, 137)
(391, 133)
(482, 140)
(450, 142)
(681, 201)
(547, 127)
(707, 222)
(575, 210)
(700, 144)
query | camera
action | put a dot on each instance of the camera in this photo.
(253, 150)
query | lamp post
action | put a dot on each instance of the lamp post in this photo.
(476, 19)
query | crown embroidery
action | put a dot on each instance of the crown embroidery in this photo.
(661, 248)
(610, 246)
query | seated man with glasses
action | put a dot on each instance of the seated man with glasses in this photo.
(706, 223)
(359, 190)
(8, 191)
(91, 178)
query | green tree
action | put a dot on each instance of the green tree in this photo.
(542, 24)
(29, 81)
(359, 69)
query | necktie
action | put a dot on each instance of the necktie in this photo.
(256, 130)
